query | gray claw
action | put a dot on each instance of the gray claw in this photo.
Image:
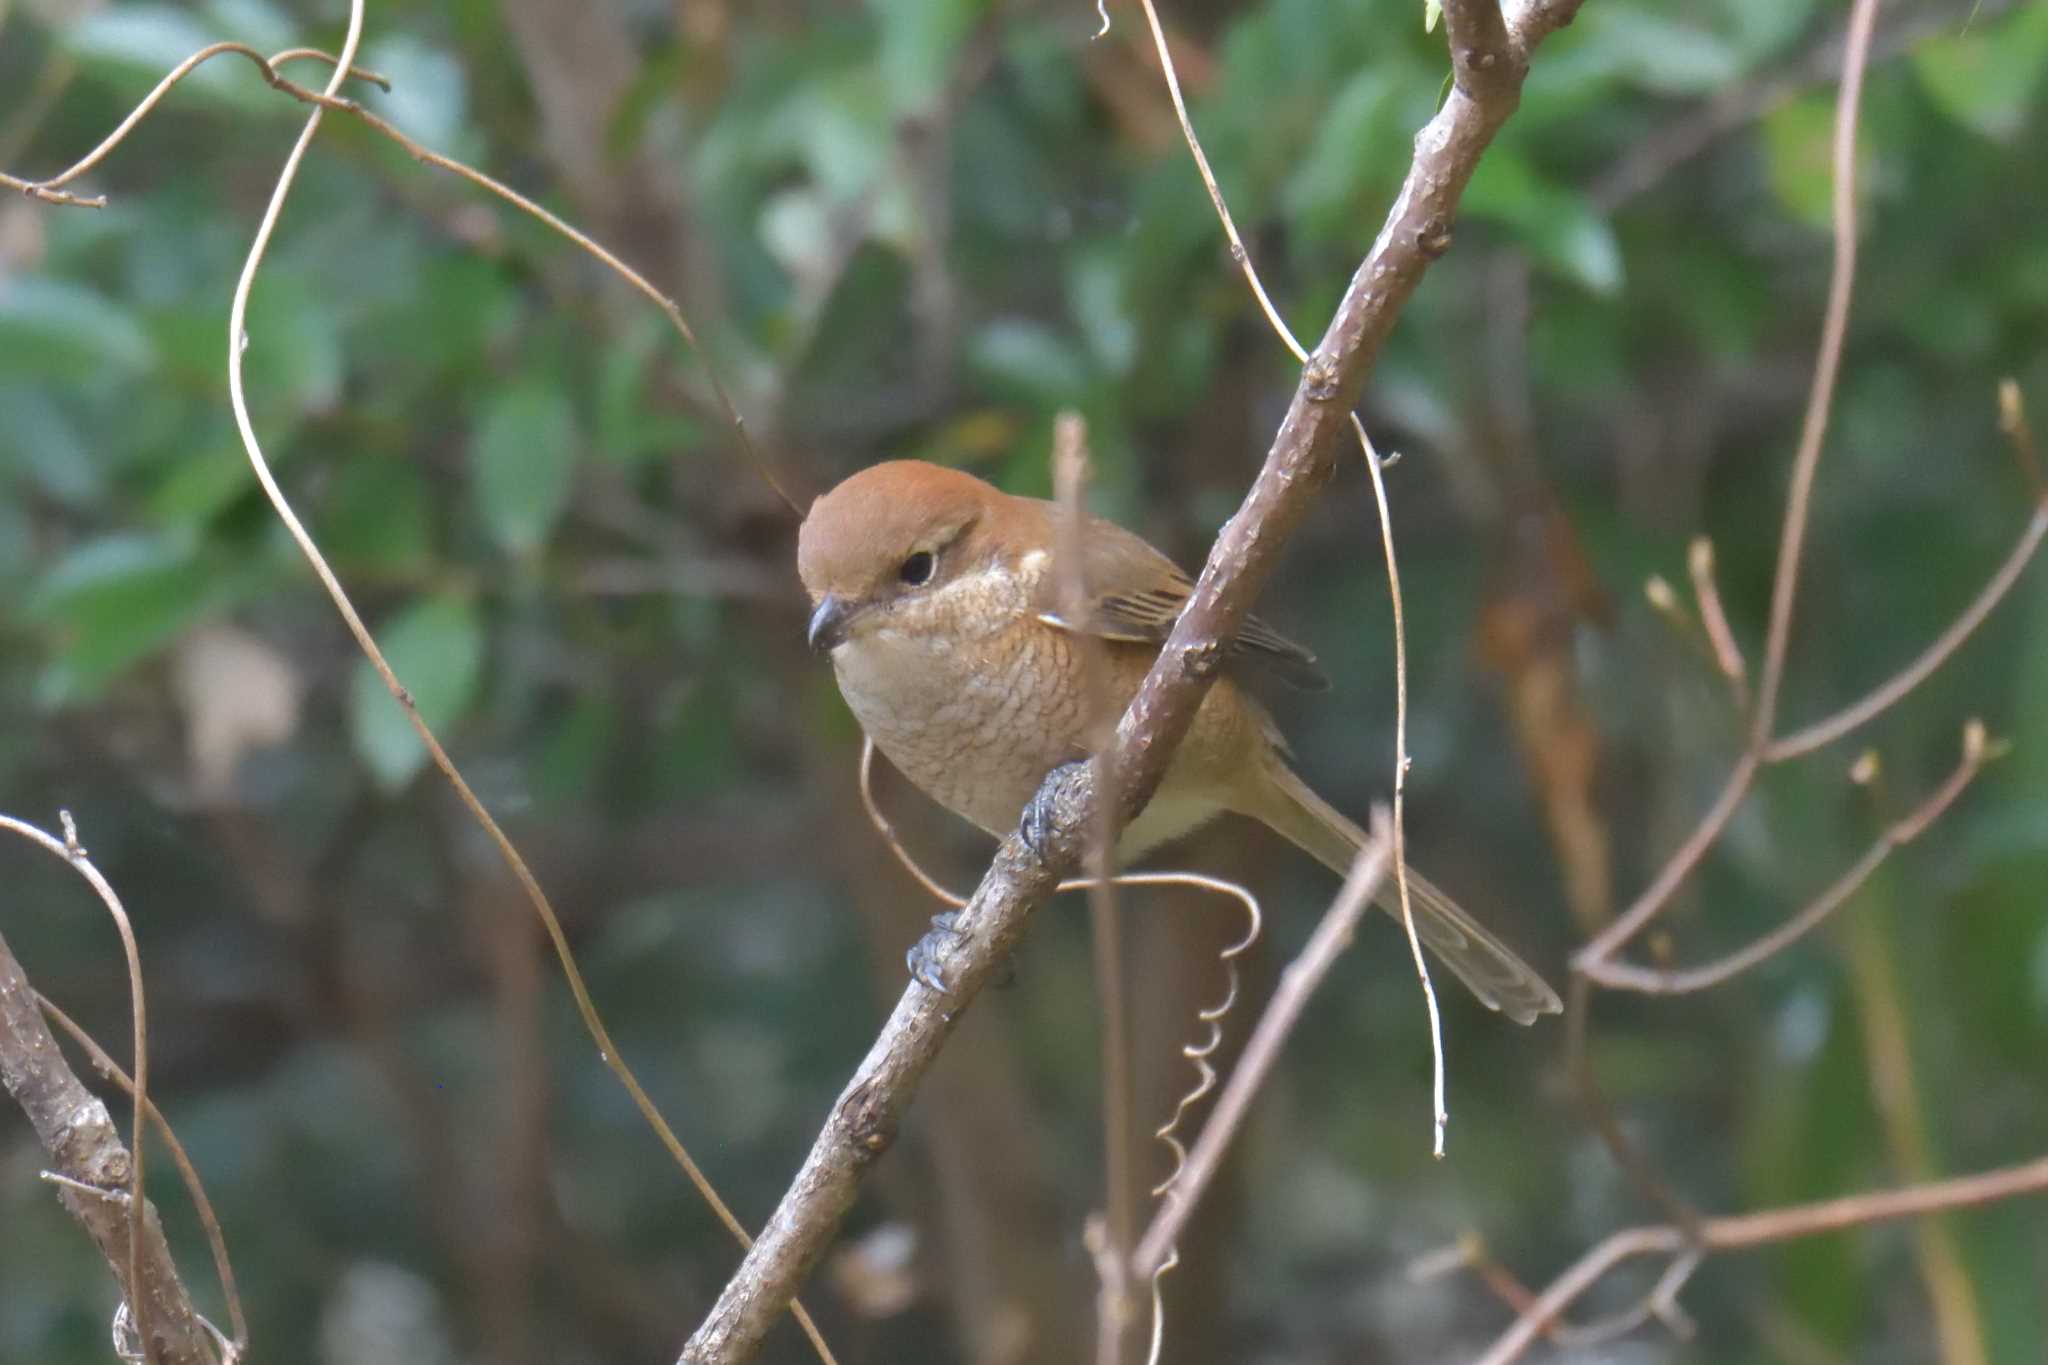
(1041, 816)
(923, 957)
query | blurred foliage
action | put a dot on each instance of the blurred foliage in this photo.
(922, 227)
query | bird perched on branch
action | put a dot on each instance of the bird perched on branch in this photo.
(939, 600)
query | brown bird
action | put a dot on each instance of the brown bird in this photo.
(939, 600)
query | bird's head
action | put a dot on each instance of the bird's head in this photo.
(890, 536)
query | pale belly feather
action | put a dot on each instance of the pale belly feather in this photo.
(970, 724)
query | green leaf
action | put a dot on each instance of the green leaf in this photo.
(428, 96)
(436, 648)
(67, 332)
(1799, 155)
(1557, 223)
(113, 602)
(1655, 53)
(43, 441)
(1029, 360)
(294, 355)
(255, 22)
(1347, 156)
(375, 517)
(918, 40)
(1985, 78)
(522, 459)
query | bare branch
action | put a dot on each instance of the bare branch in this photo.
(1699, 561)
(202, 1205)
(1744, 1232)
(1238, 252)
(1888, 694)
(86, 1150)
(1798, 503)
(51, 191)
(1820, 401)
(1440, 1114)
(72, 852)
(1618, 975)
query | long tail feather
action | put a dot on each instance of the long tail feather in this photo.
(1501, 980)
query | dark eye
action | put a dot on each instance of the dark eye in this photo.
(917, 570)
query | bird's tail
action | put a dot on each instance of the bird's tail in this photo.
(1501, 980)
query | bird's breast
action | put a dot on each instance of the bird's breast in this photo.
(976, 719)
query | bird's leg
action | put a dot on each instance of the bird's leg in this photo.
(1043, 814)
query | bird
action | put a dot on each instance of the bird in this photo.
(938, 598)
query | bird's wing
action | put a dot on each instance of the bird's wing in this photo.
(1136, 594)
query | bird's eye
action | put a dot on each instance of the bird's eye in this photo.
(917, 570)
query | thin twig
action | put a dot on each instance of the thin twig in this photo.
(888, 831)
(1262, 1050)
(50, 190)
(668, 306)
(1486, 47)
(1888, 693)
(322, 100)
(1743, 1232)
(1070, 558)
(237, 343)
(203, 1206)
(1198, 1055)
(1238, 251)
(70, 1123)
(1440, 1115)
(1619, 975)
(2012, 420)
(72, 852)
(1699, 561)
(1827, 366)
(1798, 503)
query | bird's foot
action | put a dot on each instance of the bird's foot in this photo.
(924, 956)
(1042, 814)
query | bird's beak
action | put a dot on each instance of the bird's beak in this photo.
(828, 622)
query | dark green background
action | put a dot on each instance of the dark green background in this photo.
(923, 227)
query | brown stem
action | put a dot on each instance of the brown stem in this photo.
(1743, 1232)
(1618, 975)
(1798, 505)
(1887, 694)
(1262, 1051)
(86, 1152)
(1115, 1315)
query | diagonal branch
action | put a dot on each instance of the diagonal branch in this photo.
(864, 1120)
(1978, 749)
(94, 1167)
(1747, 1231)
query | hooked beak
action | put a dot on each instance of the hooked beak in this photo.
(828, 623)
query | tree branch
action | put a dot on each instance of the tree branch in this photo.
(1743, 1232)
(86, 1151)
(864, 1120)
